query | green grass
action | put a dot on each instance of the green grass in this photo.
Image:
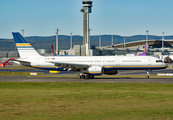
(9, 73)
(86, 101)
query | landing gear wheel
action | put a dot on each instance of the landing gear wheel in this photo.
(91, 76)
(147, 77)
(83, 76)
(79, 77)
(87, 76)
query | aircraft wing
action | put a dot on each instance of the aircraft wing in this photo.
(72, 66)
(20, 61)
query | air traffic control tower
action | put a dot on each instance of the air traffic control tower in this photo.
(86, 9)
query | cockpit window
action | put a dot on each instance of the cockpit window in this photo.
(158, 61)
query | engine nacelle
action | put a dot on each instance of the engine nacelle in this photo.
(94, 70)
(111, 72)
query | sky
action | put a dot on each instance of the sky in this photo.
(108, 17)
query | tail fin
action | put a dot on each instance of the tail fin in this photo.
(144, 51)
(53, 51)
(24, 48)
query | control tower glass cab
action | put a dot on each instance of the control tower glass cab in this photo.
(86, 6)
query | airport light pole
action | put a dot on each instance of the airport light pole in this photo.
(99, 41)
(112, 40)
(89, 41)
(22, 32)
(124, 41)
(162, 41)
(71, 46)
(147, 41)
(57, 40)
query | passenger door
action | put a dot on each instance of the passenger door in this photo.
(117, 62)
(149, 62)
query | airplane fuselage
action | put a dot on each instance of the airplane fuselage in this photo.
(107, 62)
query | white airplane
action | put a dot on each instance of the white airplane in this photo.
(87, 65)
(166, 58)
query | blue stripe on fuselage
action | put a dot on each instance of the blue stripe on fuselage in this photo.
(24, 47)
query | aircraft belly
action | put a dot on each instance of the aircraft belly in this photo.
(133, 67)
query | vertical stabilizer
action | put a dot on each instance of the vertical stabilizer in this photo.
(144, 51)
(53, 51)
(24, 48)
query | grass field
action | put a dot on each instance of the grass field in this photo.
(13, 73)
(85, 101)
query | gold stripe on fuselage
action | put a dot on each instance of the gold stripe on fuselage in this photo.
(24, 44)
(94, 72)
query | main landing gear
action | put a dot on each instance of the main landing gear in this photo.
(83, 76)
(147, 75)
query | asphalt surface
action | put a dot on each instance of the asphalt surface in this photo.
(74, 79)
(121, 72)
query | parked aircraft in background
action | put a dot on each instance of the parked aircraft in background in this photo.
(53, 51)
(144, 51)
(87, 65)
(166, 58)
(141, 54)
(6, 62)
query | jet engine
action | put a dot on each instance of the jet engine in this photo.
(94, 70)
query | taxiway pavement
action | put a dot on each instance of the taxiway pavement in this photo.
(73, 79)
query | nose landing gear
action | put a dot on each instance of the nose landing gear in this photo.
(147, 75)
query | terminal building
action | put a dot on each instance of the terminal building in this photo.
(136, 47)
(154, 48)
